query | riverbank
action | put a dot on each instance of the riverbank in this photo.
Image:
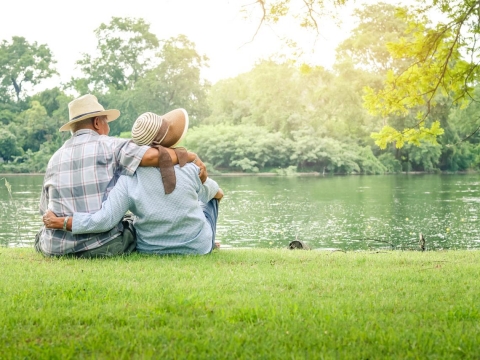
(242, 304)
(314, 173)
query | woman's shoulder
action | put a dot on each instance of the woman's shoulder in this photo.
(191, 168)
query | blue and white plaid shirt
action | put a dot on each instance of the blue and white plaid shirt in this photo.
(79, 177)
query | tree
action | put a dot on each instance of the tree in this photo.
(23, 63)
(8, 145)
(366, 47)
(272, 95)
(442, 59)
(176, 81)
(125, 48)
(247, 148)
(308, 13)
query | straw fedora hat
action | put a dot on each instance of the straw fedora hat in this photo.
(166, 130)
(85, 107)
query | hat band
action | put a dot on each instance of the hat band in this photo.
(162, 132)
(79, 116)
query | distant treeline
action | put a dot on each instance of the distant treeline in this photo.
(281, 116)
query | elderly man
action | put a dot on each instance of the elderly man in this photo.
(81, 173)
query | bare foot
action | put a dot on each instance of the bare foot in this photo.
(217, 245)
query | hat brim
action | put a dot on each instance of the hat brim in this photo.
(111, 115)
(178, 121)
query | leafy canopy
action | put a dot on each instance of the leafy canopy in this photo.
(124, 51)
(441, 59)
(23, 63)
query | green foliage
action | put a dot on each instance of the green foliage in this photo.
(170, 80)
(125, 47)
(52, 100)
(251, 148)
(245, 147)
(280, 116)
(31, 133)
(391, 164)
(8, 145)
(269, 96)
(421, 60)
(441, 61)
(125, 135)
(413, 135)
(368, 163)
(175, 82)
(283, 97)
(23, 63)
(424, 157)
(366, 48)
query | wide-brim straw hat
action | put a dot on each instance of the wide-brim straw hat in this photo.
(85, 107)
(166, 130)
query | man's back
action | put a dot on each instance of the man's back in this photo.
(78, 178)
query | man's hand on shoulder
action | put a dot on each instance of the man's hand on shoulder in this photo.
(219, 194)
(203, 170)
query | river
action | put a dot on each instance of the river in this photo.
(339, 212)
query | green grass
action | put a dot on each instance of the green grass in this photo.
(242, 304)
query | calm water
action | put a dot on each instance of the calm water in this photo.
(352, 212)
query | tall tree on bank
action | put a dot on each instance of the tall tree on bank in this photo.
(125, 50)
(23, 63)
(176, 81)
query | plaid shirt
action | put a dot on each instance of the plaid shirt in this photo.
(79, 177)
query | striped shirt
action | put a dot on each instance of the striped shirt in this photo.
(165, 223)
(79, 177)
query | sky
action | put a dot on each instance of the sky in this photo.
(218, 28)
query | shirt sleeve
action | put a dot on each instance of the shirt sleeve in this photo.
(43, 202)
(43, 206)
(128, 155)
(112, 211)
(208, 189)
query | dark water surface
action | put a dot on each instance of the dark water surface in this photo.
(351, 212)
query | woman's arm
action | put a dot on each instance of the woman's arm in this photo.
(206, 191)
(112, 211)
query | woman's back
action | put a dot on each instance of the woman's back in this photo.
(170, 223)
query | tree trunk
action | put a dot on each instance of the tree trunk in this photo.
(18, 88)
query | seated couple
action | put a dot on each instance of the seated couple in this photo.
(84, 198)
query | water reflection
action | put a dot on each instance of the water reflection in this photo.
(19, 209)
(354, 212)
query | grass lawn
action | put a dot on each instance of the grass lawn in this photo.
(242, 304)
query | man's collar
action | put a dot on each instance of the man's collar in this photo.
(85, 131)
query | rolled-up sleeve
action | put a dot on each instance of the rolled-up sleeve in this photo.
(128, 155)
(205, 191)
(112, 211)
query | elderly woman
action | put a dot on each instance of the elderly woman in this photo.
(175, 213)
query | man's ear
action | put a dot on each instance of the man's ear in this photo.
(96, 123)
